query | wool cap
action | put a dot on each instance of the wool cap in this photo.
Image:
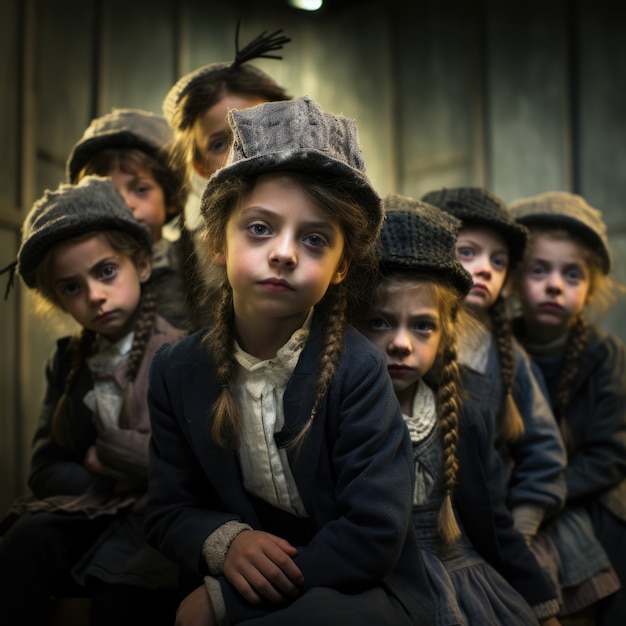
(71, 210)
(296, 135)
(569, 211)
(420, 237)
(121, 128)
(476, 206)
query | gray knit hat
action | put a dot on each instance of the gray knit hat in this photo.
(92, 205)
(420, 237)
(258, 48)
(476, 206)
(296, 135)
(569, 211)
(121, 128)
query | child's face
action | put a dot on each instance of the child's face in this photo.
(553, 285)
(281, 253)
(485, 255)
(405, 324)
(211, 132)
(145, 198)
(97, 286)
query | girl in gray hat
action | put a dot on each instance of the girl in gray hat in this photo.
(480, 568)
(280, 467)
(79, 533)
(196, 109)
(565, 272)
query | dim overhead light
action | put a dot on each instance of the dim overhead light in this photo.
(306, 5)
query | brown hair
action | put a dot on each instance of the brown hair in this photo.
(335, 201)
(133, 161)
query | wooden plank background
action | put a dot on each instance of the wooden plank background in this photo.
(521, 96)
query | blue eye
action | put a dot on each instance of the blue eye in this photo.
(259, 230)
(219, 146)
(315, 240)
(465, 253)
(108, 272)
(377, 323)
(499, 261)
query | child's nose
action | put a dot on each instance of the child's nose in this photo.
(283, 252)
(401, 342)
(95, 291)
(554, 283)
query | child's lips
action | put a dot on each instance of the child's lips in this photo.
(399, 370)
(551, 307)
(276, 284)
(480, 288)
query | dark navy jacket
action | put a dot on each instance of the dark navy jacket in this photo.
(354, 473)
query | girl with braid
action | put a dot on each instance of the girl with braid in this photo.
(80, 532)
(196, 110)
(498, 373)
(280, 467)
(565, 273)
(479, 567)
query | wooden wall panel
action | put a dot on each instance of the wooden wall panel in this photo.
(600, 93)
(527, 105)
(138, 54)
(10, 423)
(438, 88)
(10, 57)
(63, 89)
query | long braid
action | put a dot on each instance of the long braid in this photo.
(227, 416)
(577, 340)
(510, 423)
(448, 415)
(80, 348)
(143, 331)
(333, 323)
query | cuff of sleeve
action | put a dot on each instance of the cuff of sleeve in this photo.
(217, 543)
(527, 518)
(545, 609)
(217, 600)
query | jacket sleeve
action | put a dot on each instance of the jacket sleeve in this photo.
(55, 470)
(539, 456)
(599, 464)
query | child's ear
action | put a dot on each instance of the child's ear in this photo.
(144, 269)
(341, 272)
(219, 257)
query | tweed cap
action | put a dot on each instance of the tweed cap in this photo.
(121, 128)
(296, 135)
(476, 206)
(421, 237)
(70, 210)
(569, 211)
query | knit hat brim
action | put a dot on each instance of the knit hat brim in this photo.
(69, 211)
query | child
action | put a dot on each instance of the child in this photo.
(196, 108)
(413, 317)
(131, 147)
(80, 533)
(566, 268)
(280, 467)
(499, 374)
